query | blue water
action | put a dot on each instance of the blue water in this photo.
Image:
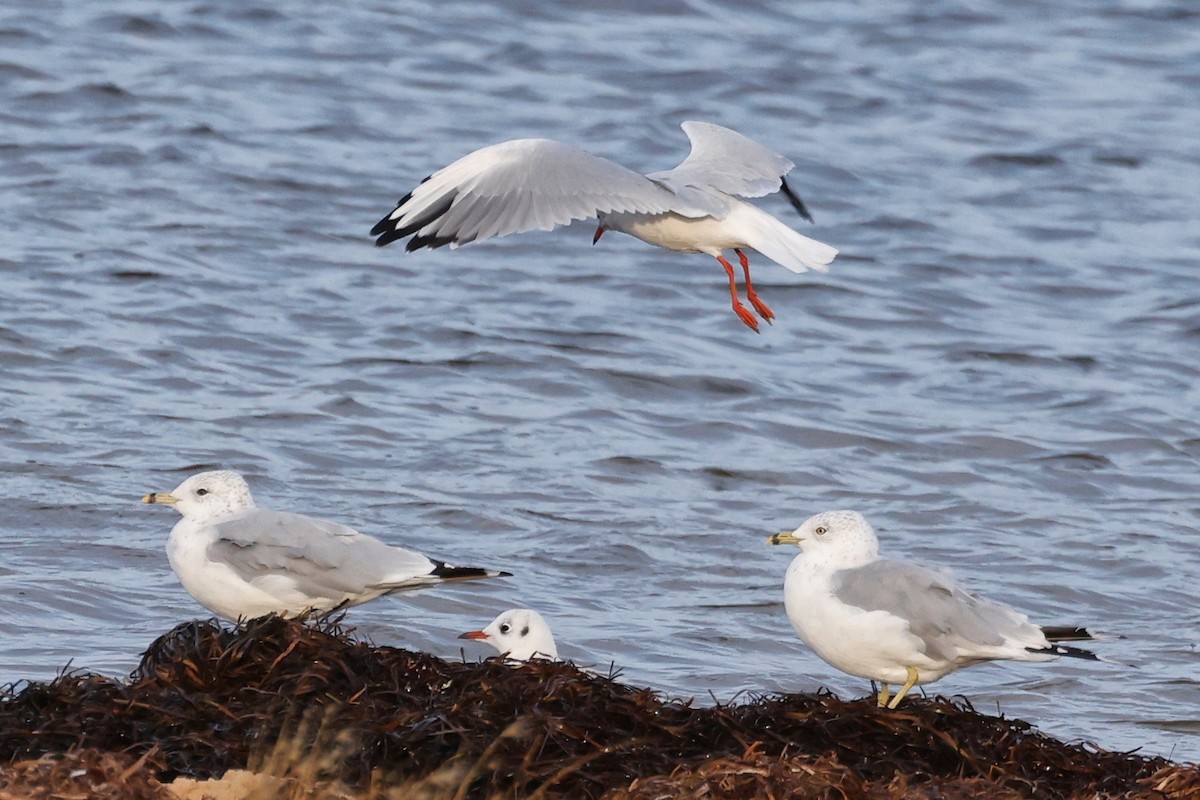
(1000, 370)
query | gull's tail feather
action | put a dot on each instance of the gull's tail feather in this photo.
(783, 245)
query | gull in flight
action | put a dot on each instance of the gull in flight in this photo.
(539, 184)
(240, 561)
(519, 634)
(895, 621)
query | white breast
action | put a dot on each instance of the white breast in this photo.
(215, 586)
(870, 644)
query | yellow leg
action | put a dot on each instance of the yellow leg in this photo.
(908, 684)
(884, 694)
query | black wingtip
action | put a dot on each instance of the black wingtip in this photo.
(448, 572)
(387, 225)
(1066, 650)
(419, 241)
(390, 229)
(387, 222)
(1066, 633)
(387, 238)
(797, 203)
(381, 226)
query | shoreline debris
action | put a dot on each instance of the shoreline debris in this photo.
(207, 699)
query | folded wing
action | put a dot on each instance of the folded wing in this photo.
(952, 624)
(321, 558)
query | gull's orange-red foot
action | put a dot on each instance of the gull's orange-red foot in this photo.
(762, 308)
(745, 316)
(738, 308)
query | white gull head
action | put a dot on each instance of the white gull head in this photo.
(207, 495)
(519, 634)
(838, 538)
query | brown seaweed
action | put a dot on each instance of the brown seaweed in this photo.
(92, 774)
(206, 699)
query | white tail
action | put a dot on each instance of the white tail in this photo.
(783, 245)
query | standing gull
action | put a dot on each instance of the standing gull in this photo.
(894, 621)
(241, 561)
(519, 634)
(539, 184)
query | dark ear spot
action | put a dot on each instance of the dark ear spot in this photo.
(525, 631)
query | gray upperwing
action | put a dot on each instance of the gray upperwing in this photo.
(524, 185)
(325, 559)
(941, 614)
(727, 161)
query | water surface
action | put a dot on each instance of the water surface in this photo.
(1000, 370)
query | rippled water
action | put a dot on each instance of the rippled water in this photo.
(1001, 370)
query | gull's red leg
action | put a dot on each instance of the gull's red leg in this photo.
(762, 308)
(743, 313)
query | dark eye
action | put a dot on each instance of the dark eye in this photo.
(201, 492)
(821, 530)
(504, 628)
(525, 631)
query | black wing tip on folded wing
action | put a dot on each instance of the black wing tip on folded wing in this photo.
(451, 573)
(1065, 650)
(1066, 633)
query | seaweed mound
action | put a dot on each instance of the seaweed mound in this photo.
(207, 699)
